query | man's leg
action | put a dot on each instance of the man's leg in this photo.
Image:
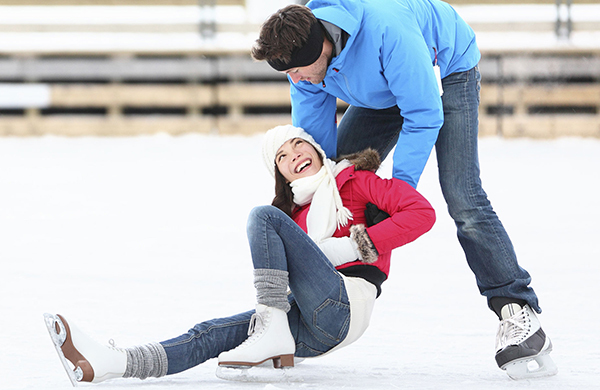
(362, 128)
(489, 251)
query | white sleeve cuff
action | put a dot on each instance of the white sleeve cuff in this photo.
(340, 250)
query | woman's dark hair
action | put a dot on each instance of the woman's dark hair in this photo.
(284, 197)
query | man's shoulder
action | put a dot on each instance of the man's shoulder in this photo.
(346, 14)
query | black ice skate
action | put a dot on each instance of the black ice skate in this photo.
(522, 347)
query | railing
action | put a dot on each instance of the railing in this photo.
(90, 89)
(534, 103)
(120, 2)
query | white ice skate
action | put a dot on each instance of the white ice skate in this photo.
(522, 347)
(270, 339)
(84, 359)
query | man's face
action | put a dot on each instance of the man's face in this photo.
(315, 72)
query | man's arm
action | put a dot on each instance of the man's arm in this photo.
(406, 59)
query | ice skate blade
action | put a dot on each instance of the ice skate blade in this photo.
(533, 367)
(261, 374)
(278, 362)
(266, 364)
(58, 334)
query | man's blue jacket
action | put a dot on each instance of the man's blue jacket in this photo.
(388, 60)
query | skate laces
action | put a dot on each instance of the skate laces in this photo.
(113, 345)
(257, 322)
(255, 328)
(513, 330)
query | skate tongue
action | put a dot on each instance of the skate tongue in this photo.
(510, 310)
(257, 322)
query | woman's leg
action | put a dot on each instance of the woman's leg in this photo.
(206, 340)
(320, 313)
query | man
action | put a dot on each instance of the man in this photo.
(408, 69)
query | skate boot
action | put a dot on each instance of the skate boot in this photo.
(270, 339)
(522, 347)
(91, 361)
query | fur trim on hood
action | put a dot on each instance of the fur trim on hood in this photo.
(366, 160)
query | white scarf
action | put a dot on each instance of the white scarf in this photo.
(326, 212)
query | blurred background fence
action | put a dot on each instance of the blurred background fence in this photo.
(101, 67)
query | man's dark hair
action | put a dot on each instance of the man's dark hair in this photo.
(284, 31)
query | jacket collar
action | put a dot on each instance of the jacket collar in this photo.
(346, 16)
(344, 176)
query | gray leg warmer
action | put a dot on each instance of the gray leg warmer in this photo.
(271, 288)
(145, 361)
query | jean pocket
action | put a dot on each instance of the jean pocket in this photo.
(305, 351)
(332, 319)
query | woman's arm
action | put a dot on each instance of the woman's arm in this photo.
(411, 215)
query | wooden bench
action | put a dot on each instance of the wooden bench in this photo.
(527, 110)
(517, 105)
(120, 2)
(137, 90)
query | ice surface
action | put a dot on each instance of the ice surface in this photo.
(137, 239)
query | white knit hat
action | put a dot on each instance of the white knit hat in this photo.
(279, 135)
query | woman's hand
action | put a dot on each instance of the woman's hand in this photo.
(342, 250)
(367, 251)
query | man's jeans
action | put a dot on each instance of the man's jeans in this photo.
(488, 249)
(320, 312)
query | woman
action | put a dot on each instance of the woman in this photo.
(318, 239)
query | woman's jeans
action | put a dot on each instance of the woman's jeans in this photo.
(320, 312)
(486, 244)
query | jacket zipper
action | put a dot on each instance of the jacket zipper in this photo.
(349, 91)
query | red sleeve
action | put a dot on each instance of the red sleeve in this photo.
(411, 215)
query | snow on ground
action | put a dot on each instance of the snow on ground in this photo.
(138, 239)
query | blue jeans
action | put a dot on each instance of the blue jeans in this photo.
(488, 249)
(320, 312)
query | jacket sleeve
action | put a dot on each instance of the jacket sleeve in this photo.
(411, 215)
(315, 111)
(408, 67)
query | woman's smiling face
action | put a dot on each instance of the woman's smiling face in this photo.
(297, 158)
